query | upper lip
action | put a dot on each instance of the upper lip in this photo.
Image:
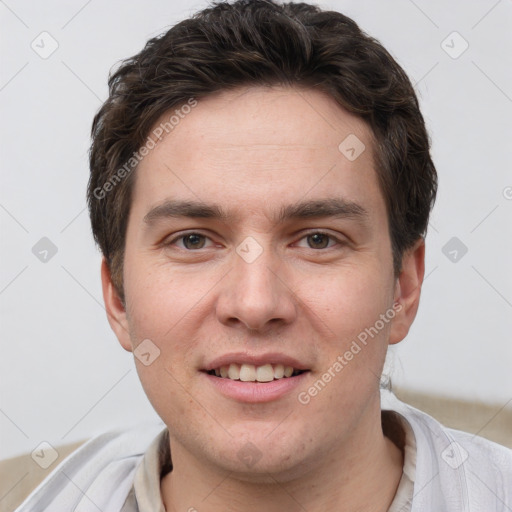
(254, 359)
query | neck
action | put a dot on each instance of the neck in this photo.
(361, 474)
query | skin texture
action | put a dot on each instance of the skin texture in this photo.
(253, 151)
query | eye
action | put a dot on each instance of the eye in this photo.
(319, 240)
(191, 241)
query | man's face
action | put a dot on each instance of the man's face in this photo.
(296, 268)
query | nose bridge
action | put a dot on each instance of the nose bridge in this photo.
(255, 295)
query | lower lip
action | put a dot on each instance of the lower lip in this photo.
(256, 392)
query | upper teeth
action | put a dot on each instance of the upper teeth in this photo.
(252, 373)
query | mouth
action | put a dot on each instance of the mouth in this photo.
(245, 372)
(255, 378)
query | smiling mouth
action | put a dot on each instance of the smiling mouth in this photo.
(251, 373)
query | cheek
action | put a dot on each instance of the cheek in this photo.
(160, 308)
(348, 308)
(160, 299)
(348, 300)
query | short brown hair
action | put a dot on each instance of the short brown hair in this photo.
(261, 42)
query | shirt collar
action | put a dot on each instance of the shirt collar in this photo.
(155, 463)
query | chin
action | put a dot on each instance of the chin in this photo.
(260, 460)
(268, 471)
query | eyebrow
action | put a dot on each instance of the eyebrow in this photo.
(334, 207)
(320, 208)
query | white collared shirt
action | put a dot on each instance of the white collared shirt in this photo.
(444, 470)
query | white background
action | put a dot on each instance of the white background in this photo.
(63, 374)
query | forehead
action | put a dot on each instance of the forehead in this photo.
(260, 147)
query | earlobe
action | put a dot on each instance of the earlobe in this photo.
(408, 291)
(116, 313)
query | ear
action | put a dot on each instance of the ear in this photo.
(408, 290)
(116, 313)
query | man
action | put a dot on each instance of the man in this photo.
(260, 189)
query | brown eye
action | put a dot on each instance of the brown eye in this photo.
(193, 241)
(318, 240)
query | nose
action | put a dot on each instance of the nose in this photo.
(255, 295)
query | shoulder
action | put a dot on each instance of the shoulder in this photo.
(487, 465)
(100, 471)
(455, 470)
